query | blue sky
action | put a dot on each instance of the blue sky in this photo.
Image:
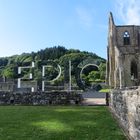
(31, 25)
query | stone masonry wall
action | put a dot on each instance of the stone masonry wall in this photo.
(40, 98)
(126, 106)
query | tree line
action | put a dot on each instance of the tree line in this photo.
(60, 55)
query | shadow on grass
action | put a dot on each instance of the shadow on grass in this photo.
(57, 123)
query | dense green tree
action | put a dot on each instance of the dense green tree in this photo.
(60, 55)
(93, 76)
(102, 69)
(52, 53)
(8, 72)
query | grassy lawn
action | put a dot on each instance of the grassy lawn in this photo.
(105, 90)
(57, 123)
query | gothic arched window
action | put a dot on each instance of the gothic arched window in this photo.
(134, 70)
(126, 38)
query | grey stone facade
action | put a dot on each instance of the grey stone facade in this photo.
(126, 106)
(123, 75)
(123, 64)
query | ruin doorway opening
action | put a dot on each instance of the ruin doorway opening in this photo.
(134, 70)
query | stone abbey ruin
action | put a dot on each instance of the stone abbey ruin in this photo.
(123, 75)
(123, 65)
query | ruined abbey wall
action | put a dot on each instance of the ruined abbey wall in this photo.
(125, 104)
(123, 55)
(40, 98)
(123, 75)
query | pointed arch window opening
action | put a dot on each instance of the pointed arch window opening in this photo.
(126, 38)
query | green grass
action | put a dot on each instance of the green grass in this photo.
(57, 123)
(105, 90)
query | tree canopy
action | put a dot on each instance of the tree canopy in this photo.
(60, 55)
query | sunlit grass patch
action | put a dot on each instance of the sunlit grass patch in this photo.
(57, 123)
(53, 125)
(105, 90)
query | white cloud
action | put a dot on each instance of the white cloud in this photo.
(129, 11)
(85, 16)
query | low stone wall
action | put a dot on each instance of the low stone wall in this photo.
(126, 106)
(40, 98)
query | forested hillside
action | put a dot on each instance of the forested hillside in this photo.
(59, 54)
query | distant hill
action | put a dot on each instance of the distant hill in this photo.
(59, 54)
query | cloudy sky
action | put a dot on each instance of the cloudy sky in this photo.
(31, 25)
